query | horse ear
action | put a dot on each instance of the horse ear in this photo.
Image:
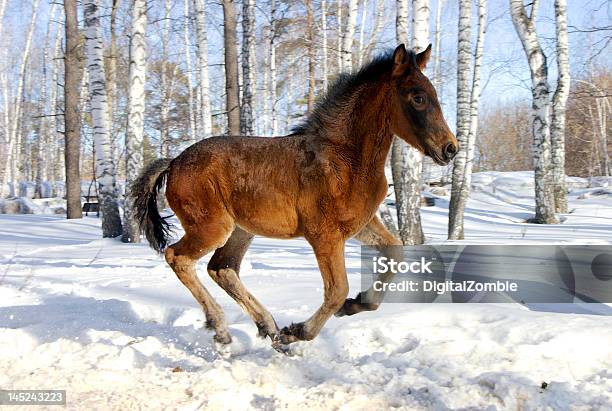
(423, 57)
(401, 63)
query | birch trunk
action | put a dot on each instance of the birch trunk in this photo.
(558, 108)
(339, 37)
(603, 107)
(189, 68)
(272, 82)
(540, 90)
(232, 98)
(72, 118)
(105, 173)
(248, 67)
(311, 55)
(467, 114)
(405, 160)
(164, 132)
(111, 84)
(362, 23)
(44, 134)
(135, 113)
(56, 164)
(324, 67)
(14, 132)
(203, 84)
(348, 34)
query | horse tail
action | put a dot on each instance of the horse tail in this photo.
(143, 193)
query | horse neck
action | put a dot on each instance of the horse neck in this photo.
(369, 129)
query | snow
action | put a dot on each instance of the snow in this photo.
(111, 324)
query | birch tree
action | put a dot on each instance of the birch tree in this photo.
(272, 70)
(203, 82)
(468, 96)
(232, 100)
(324, 51)
(135, 113)
(248, 67)
(72, 119)
(348, 35)
(189, 67)
(339, 36)
(15, 131)
(105, 172)
(362, 24)
(540, 91)
(406, 161)
(558, 108)
(164, 85)
(311, 55)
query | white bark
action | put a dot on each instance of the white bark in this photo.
(437, 80)
(135, 112)
(558, 108)
(401, 22)
(248, 67)
(57, 168)
(324, 67)
(14, 131)
(339, 36)
(540, 90)
(467, 114)
(362, 23)
(189, 68)
(406, 162)
(105, 173)
(272, 64)
(348, 34)
(164, 131)
(603, 107)
(420, 24)
(203, 86)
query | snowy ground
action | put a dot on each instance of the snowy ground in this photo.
(110, 323)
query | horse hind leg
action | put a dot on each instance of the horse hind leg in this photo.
(182, 257)
(224, 269)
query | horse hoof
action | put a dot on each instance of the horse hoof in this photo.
(278, 345)
(292, 333)
(223, 339)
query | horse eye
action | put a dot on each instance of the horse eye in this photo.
(418, 100)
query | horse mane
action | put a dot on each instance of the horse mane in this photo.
(339, 93)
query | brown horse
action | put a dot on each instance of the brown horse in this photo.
(323, 182)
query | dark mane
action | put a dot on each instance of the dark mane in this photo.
(332, 102)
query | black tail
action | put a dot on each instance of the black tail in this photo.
(143, 193)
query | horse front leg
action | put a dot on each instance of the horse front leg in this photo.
(330, 257)
(373, 234)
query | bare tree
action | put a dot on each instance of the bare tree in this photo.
(231, 68)
(204, 109)
(379, 22)
(339, 36)
(136, 112)
(437, 79)
(189, 68)
(271, 102)
(248, 67)
(105, 172)
(72, 118)
(324, 63)
(164, 112)
(362, 24)
(468, 96)
(558, 108)
(540, 90)
(14, 146)
(311, 55)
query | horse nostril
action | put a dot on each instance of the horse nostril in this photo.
(449, 151)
